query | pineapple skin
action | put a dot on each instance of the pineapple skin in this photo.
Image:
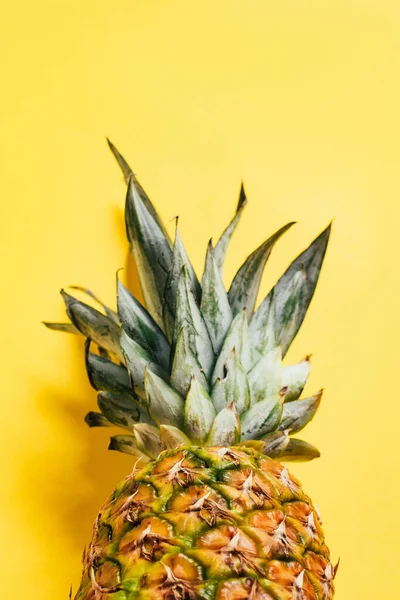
(208, 523)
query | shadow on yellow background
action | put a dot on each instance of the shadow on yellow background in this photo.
(301, 100)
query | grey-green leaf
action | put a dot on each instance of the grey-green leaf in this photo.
(95, 419)
(91, 323)
(199, 413)
(172, 437)
(262, 418)
(166, 406)
(137, 360)
(294, 378)
(188, 315)
(246, 283)
(237, 337)
(234, 387)
(127, 445)
(106, 375)
(148, 439)
(292, 296)
(225, 430)
(275, 443)
(180, 259)
(296, 415)
(298, 451)
(214, 305)
(141, 327)
(120, 410)
(223, 242)
(109, 312)
(185, 365)
(151, 250)
(265, 378)
(129, 175)
(65, 327)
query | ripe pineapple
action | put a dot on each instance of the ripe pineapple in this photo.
(209, 510)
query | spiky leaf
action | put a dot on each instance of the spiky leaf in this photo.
(292, 296)
(275, 443)
(106, 375)
(189, 316)
(151, 250)
(141, 327)
(185, 365)
(147, 439)
(165, 404)
(111, 314)
(246, 283)
(95, 419)
(237, 337)
(296, 414)
(171, 437)
(137, 360)
(234, 387)
(64, 327)
(298, 451)
(120, 410)
(225, 430)
(127, 445)
(91, 323)
(262, 418)
(215, 306)
(223, 242)
(265, 378)
(294, 378)
(199, 413)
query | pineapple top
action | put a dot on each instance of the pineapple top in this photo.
(199, 365)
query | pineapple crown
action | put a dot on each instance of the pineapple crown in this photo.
(199, 365)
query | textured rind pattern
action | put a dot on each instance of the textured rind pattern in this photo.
(215, 523)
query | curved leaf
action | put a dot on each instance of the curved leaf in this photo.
(141, 327)
(225, 430)
(298, 451)
(265, 378)
(148, 439)
(111, 314)
(275, 443)
(171, 437)
(291, 296)
(64, 327)
(234, 387)
(199, 413)
(127, 445)
(165, 405)
(296, 415)
(246, 283)
(294, 378)
(106, 375)
(120, 410)
(222, 245)
(214, 305)
(151, 250)
(137, 360)
(95, 419)
(262, 418)
(237, 337)
(185, 365)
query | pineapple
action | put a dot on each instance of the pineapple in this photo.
(197, 383)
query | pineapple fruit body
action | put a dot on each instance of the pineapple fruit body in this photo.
(208, 523)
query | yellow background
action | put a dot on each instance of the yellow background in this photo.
(301, 99)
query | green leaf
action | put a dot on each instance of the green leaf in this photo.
(199, 413)
(185, 365)
(296, 415)
(95, 419)
(141, 327)
(294, 378)
(275, 443)
(120, 410)
(265, 378)
(171, 437)
(137, 360)
(237, 337)
(180, 260)
(111, 314)
(223, 242)
(65, 327)
(106, 375)
(91, 323)
(225, 430)
(151, 250)
(189, 316)
(234, 387)
(127, 445)
(298, 451)
(129, 175)
(165, 405)
(291, 296)
(214, 305)
(262, 418)
(148, 439)
(246, 283)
